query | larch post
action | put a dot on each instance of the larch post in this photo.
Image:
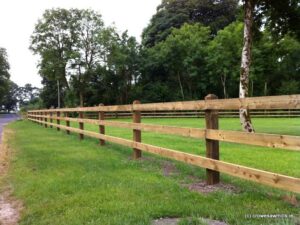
(137, 136)
(41, 119)
(45, 119)
(81, 126)
(58, 120)
(101, 127)
(67, 122)
(51, 119)
(212, 146)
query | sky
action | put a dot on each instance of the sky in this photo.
(18, 18)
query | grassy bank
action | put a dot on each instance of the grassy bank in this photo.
(64, 181)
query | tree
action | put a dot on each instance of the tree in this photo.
(123, 62)
(10, 98)
(72, 44)
(224, 57)
(180, 60)
(27, 94)
(174, 13)
(275, 15)
(4, 74)
(48, 93)
(52, 40)
(88, 48)
(276, 63)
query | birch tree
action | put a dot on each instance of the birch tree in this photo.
(281, 17)
(245, 64)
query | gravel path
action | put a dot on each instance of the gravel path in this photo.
(9, 207)
(5, 119)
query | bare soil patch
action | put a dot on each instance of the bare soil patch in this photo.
(169, 169)
(202, 187)
(175, 221)
(9, 207)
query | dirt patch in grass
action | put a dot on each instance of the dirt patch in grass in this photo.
(169, 169)
(291, 199)
(202, 187)
(177, 221)
(4, 152)
(9, 207)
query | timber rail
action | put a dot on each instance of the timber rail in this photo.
(212, 135)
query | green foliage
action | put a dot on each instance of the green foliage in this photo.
(10, 97)
(276, 64)
(281, 17)
(180, 59)
(4, 75)
(174, 13)
(213, 65)
(75, 47)
(223, 60)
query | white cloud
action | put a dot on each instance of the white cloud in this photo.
(17, 20)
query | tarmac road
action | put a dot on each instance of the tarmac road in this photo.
(5, 119)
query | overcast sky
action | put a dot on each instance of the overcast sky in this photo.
(18, 17)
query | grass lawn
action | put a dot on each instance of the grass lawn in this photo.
(64, 181)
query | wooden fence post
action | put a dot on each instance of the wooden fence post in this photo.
(51, 119)
(81, 125)
(45, 119)
(212, 146)
(41, 119)
(137, 137)
(67, 122)
(58, 120)
(101, 127)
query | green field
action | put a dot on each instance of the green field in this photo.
(62, 180)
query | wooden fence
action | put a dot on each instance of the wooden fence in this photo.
(199, 114)
(211, 133)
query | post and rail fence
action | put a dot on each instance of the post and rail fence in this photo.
(211, 133)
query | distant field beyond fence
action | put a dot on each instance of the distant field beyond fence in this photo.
(198, 114)
(211, 108)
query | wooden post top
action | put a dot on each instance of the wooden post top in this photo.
(136, 102)
(210, 97)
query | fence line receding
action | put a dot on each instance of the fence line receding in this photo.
(212, 134)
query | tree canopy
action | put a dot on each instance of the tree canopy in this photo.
(174, 13)
(190, 48)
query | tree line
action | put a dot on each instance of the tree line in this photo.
(189, 49)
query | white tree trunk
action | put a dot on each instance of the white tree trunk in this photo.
(245, 64)
(180, 85)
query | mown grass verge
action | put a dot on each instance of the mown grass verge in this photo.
(64, 181)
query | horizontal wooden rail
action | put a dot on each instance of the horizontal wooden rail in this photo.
(269, 102)
(259, 176)
(259, 139)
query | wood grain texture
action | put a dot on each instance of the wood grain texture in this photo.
(137, 134)
(212, 146)
(67, 121)
(58, 120)
(81, 125)
(266, 102)
(101, 116)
